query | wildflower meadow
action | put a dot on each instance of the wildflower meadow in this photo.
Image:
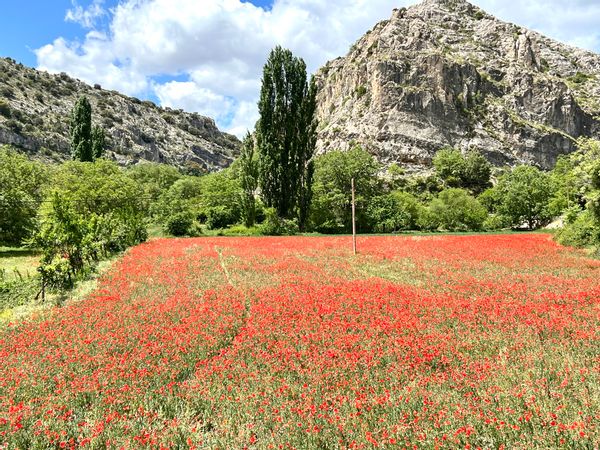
(294, 343)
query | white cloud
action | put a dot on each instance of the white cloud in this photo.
(93, 61)
(219, 46)
(86, 17)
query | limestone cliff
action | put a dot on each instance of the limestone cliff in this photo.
(34, 116)
(445, 73)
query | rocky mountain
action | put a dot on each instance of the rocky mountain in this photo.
(34, 116)
(445, 73)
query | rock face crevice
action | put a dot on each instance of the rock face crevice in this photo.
(34, 116)
(445, 73)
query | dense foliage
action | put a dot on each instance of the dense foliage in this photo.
(578, 179)
(87, 143)
(22, 189)
(286, 135)
(248, 162)
(332, 195)
(93, 210)
(81, 131)
(471, 171)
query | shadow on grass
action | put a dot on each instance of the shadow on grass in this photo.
(11, 252)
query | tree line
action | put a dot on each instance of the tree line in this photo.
(87, 209)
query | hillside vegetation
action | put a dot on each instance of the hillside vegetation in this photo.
(34, 116)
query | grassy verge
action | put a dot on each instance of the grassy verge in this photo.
(20, 285)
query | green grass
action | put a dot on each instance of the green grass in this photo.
(16, 263)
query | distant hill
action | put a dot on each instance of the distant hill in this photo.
(34, 116)
(446, 73)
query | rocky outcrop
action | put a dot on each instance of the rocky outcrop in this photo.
(34, 116)
(445, 73)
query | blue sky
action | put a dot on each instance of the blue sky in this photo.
(31, 24)
(206, 55)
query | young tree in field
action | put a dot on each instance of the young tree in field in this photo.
(331, 212)
(286, 134)
(81, 131)
(249, 180)
(98, 142)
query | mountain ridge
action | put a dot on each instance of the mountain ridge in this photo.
(446, 73)
(35, 109)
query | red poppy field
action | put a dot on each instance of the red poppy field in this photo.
(418, 342)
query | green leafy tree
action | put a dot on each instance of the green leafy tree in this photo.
(393, 212)
(81, 131)
(219, 203)
(456, 210)
(22, 187)
(470, 171)
(249, 180)
(93, 210)
(524, 196)
(577, 178)
(180, 199)
(286, 135)
(98, 142)
(331, 208)
(155, 179)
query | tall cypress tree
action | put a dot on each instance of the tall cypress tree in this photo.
(286, 134)
(81, 131)
(98, 142)
(249, 180)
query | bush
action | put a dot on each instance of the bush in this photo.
(241, 230)
(456, 210)
(22, 188)
(93, 210)
(427, 220)
(470, 171)
(219, 217)
(180, 224)
(582, 232)
(276, 226)
(393, 212)
(495, 222)
(5, 109)
(17, 292)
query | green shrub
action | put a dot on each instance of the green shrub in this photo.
(219, 217)
(361, 91)
(456, 210)
(14, 126)
(470, 171)
(495, 222)
(17, 292)
(427, 220)
(5, 109)
(582, 232)
(393, 212)
(93, 210)
(22, 188)
(241, 230)
(180, 224)
(276, 226)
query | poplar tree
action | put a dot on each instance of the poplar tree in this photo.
(286, 135)
(249, 180)
(98, 142)
(81, 131)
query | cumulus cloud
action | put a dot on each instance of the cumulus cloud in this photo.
(86, 17)
(216, 48)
